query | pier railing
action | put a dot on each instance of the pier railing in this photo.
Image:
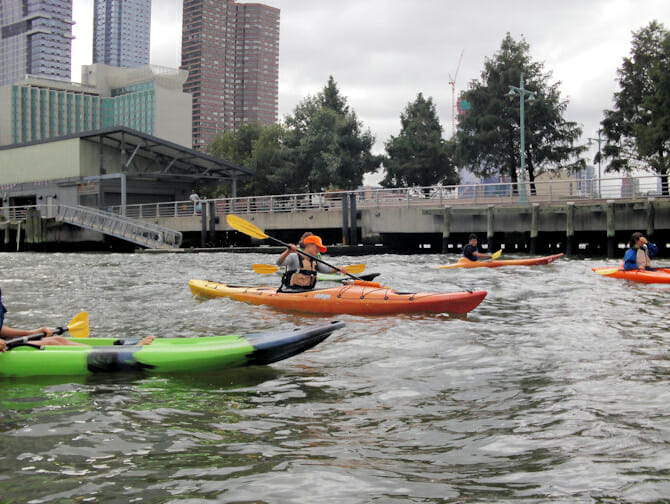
(501, 193)
(133, 230)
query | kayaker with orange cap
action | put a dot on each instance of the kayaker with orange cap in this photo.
(301, 270)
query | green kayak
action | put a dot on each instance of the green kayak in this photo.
(164, 355)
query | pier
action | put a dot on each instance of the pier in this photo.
(559, 216)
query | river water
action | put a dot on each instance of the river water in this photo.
(555, 389)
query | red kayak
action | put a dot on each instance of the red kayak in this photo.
(368, 299)
(659, 275)
(464, 262)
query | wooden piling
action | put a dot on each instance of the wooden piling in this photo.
(534, 226)
(611, 232)
(651, 214)
(570, 228)
(490, 234)
(446, 228)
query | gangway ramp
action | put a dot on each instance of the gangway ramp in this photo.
(135, 231)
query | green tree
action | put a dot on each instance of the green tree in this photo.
(418, 156)
(637, 129)
(326, 146)
(488, 138)
(258, 148)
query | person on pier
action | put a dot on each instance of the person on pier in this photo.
(470, 251)
(301, 271)
(639, 254)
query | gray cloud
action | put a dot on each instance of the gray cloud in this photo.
(383, 52)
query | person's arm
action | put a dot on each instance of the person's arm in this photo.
(630, 260)
(291, 249)
(322, 268)
(652, 249)
(479, 255)
(9, 333)
(292, 262)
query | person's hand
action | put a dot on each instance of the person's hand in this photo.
(3, 345)
(47, 332)
(292, 248)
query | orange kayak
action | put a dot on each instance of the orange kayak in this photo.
(350, 299)
(464, 262)
(659, 275)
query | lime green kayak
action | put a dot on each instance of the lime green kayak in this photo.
(164, 355)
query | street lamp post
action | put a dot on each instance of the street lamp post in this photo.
(599, 140)
(530, 96)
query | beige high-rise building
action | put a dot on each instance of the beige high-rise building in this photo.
(231, 52)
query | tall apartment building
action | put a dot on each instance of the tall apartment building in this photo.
(148, 99)
(121, 32)
(36, 39)
(231, 53)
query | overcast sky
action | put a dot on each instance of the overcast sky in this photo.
(382, 53)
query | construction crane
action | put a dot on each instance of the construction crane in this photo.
(452, 83)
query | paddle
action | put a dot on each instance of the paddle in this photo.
(78, 327)
(264, 269)
(247, 228)
(606, 271)
(495, 255)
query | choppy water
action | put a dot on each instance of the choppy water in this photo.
(556, 389)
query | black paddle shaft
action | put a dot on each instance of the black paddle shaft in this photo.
(312, 257)
(25, 339)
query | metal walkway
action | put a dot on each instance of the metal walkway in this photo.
(135, 231)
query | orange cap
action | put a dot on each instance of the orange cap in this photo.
(316, 240)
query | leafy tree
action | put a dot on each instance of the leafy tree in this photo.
(488, 138)
(326, 145)
(637, 129)
(257, 148)
(418, 156)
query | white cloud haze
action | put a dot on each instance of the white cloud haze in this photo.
(382, 53)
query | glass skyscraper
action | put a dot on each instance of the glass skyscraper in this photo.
(36, 39)
(121, 30)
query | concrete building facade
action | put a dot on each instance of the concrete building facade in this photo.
(121, 32)
(147, 99)
(36, 39)
(231, 52)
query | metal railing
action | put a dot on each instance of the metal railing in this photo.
(132, 230)
(135, 231)
(501, 193)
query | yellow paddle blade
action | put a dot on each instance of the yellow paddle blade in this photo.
(246, 227)
(497, 254)
(605, 271)
(264, 269)
(354, 268)
(78, 326)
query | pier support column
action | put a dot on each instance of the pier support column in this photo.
(611, 232)
(650, 217)
(570, 228)
(446, 228)
(212, 222)
(345, 219)
(203, 225)
(353, 222)
(490, 234)
(534, 224)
